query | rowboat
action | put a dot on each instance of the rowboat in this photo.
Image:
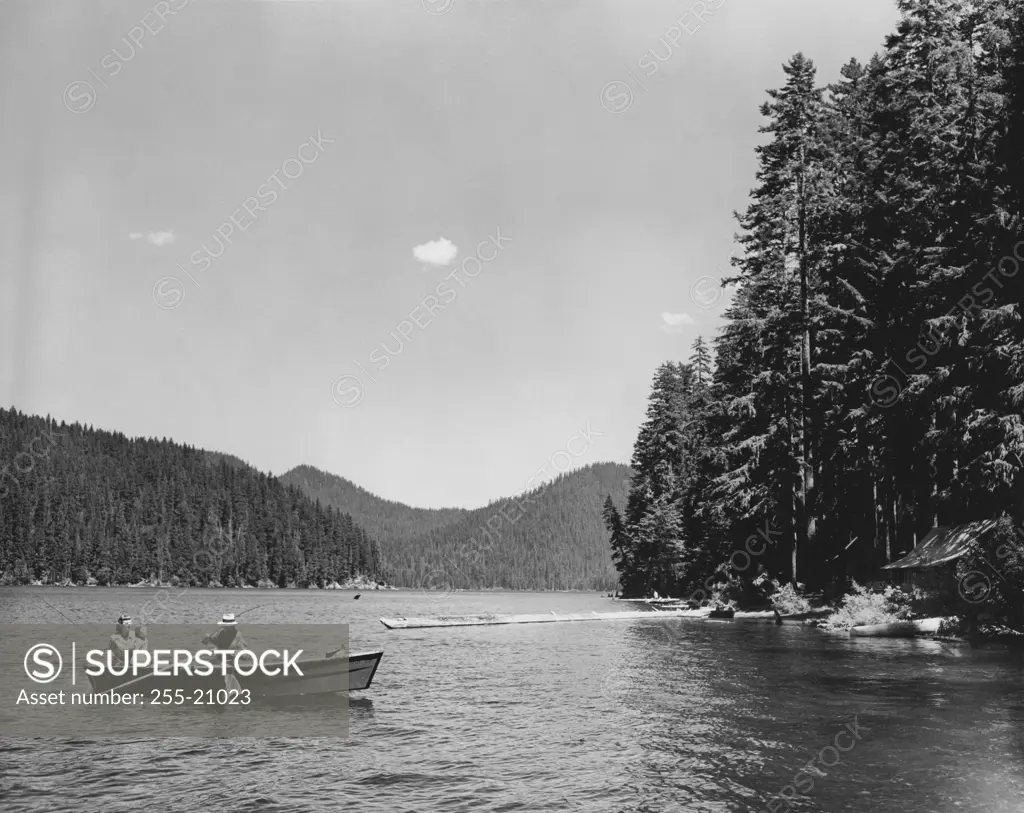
(319, 676)
(897, 629)
(722, 613)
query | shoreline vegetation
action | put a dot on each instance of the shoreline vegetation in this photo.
(866, 388)
(862, 613)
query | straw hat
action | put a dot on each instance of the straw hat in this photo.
(228, 620)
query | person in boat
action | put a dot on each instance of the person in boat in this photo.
(141, 637)
(229, 638)
(122, 641)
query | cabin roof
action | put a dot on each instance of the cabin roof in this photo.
(943, 544)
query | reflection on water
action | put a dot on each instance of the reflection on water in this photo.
(676, 715)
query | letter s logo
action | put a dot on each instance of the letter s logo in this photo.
(882, 395)
(41, 656)
(618, 102)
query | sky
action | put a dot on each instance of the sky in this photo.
(437, 247)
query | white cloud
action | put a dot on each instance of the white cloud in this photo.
(160, 238)
(436, 252)
(156, 238)
(673, 322)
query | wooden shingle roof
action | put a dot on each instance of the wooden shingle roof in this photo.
(943, 544)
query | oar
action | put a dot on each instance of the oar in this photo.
(228, 678)
(120, 688)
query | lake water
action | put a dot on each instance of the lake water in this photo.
(609, 716)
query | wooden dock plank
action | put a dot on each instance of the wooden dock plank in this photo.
(552, 617)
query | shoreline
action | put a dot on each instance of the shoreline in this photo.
(359, 587)
(362, 587)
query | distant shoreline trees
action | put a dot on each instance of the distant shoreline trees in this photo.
(105, 508)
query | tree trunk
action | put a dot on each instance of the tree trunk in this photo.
(807, 450)
(796, 502)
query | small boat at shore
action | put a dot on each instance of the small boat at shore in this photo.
(898, 629)
(319, 676)
(722, 613)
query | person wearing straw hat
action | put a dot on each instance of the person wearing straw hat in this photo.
(228, 637)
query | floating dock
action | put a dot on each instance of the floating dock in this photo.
(652, 601)
(898, 629)
(548, 618)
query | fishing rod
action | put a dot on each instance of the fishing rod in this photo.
(239, 615)
(55, 609)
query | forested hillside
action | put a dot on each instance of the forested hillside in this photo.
(79, 504)
(869, 381)
(556, 541)
(552, 538)
(384, 519)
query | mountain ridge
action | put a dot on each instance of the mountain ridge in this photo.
(95, 504)
(561, 543)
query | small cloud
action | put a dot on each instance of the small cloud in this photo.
(156, 238)
(436, 252)
(673, 322)
(160, 238)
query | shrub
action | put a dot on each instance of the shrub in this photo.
(22, 573)
(718, 598)
(787, 600)
(863, 607)
(736, 593)
(990, 577)
(953, 627)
